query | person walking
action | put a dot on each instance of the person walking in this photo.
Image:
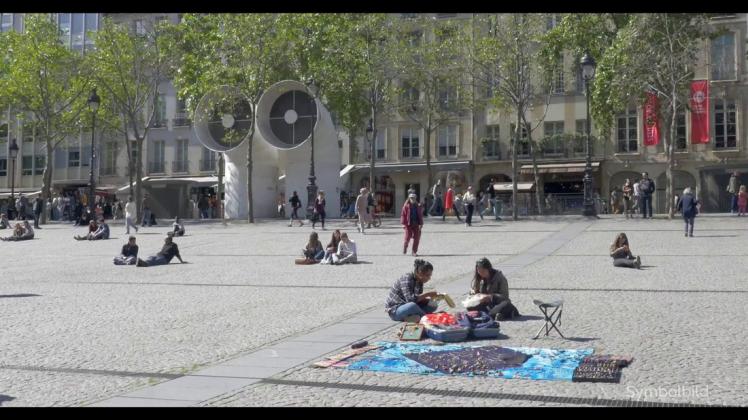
(411, 217)
(627, 192)
(646, 188)
(635, 205)
(732, 188)
(319, 209)
(21, 206)
(362, 205)
(742, 200)
(688, 207)
(480, 203)
(468, 200)
(295, 206)
(449, 203)
(203, 205)
(147, 211)
(436, 193)
(130, 212)
(491, 193)
(38, 208)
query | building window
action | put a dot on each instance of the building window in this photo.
(27, 132)
(7, 22)
(208, 161)
(680, 132)
(64, 28)
(139, 27)
(448, 98)
(523, 145)
(554, 143)
(410, 94)
(725, 124)
(379, 146)
(409, 143)
(77, 30)
(180, 162)
(27, 163)
(627, 132)
(109, 158)
(159, 117)
(491, 143)
(723, 58)
(156, 163)
(180, 118)
(3, 166)
(557, 85)
(580, 143)
(3, 132)
(447, 136)
(74, 158)
(40, 162)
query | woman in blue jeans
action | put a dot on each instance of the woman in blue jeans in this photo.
(406, 300)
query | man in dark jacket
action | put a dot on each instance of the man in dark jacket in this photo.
(129, 253)
(646, 189)
(38, 208)
(169, 251)
(203, 206)
(687, 205)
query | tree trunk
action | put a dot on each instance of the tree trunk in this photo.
(373, 150)
(669, 193)
(250, 140)
(428, 153)
(47, 180)
(515, 143)
(130, 165)
(535, 174)
(139, 180)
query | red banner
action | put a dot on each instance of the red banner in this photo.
(651, 122)
(699, 111)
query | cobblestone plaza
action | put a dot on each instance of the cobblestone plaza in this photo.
(240, 324)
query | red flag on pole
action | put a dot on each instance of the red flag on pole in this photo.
(651, 122)
(699, 111)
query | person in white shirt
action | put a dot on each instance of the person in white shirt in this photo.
(637, 195)
(130, 211)
(346, 251)
(468, 200)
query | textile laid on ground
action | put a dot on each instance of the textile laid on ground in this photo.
(602, 368)
(471, 360)
(336, 359)
(539, 364)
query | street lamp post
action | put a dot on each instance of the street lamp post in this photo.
(312, 187)
(588, 73)
(13, 154)
(93, 105)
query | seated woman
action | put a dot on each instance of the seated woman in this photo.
(178, 227)
(313, 250)
(621, 253)
(331, 248)
(346, 251)
(4, 223)
(406, 300)
(129, 254)
(92, 228)
(18, 232)
(101, 233)
(487, 280)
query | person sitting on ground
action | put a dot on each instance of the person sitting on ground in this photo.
(101, 233)
(406, 300)
(4, 224)
(18, 232)
(169, 251)
(313, 250)
(129, 254)
(178, 227)
(621, 253)
(331, 248)
(346, 251)
(487, 280)
(92, 228)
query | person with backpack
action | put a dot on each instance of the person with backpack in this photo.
(646, 189)
(492, 282)
(295, 205)
(688, 207)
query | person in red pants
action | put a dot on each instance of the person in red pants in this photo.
(411, 217)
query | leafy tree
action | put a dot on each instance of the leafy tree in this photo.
(46, 84)
(252, 50)
(505, 56)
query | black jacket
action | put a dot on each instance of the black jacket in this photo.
(129, 251)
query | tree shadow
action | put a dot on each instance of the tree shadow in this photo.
(524, 318)
(4, 398)
(20, 295)
(714, 236)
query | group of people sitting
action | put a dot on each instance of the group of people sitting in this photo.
(96, 231)
(129, 254)
(340, 250)
(407, 301)
(21, 231)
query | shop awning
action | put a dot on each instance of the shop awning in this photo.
(346, 170)
(411, 166)
(557, 168)
(173, 180)
(27, 193)
(521, 187)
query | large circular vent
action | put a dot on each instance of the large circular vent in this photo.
(286, 114)
(223, 118)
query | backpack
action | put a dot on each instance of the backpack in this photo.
(645, 187)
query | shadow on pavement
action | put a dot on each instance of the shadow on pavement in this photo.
(523, 318)
(4, 398)
(581, 339)
(20, 295)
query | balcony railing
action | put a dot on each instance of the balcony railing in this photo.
(207, 165)
(159, 123)
(156, 167)
(108, 171)
(181, 120)
(178, 166)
